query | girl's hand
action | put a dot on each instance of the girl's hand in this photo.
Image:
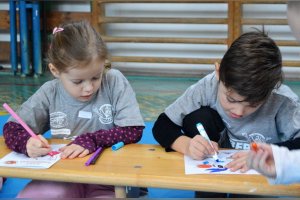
(239, 162)
(199, 148)
(37, 147)
(73, 151)
(262, 160)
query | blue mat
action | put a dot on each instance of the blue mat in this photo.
(13, 186)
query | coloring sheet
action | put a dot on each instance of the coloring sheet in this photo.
(211, 166)
(19, 160)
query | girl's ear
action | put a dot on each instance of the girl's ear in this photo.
(217, 69)
(53, 70)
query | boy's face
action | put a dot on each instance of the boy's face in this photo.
(234, 104)
(81, 82)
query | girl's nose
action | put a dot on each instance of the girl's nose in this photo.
(88, 86)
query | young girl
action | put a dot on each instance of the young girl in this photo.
(87, 102)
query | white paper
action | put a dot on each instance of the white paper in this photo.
(210, 166)
(19, 160)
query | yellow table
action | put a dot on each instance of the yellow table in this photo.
(146, 166)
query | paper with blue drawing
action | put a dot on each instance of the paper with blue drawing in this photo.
(211, 166)
(19, 160)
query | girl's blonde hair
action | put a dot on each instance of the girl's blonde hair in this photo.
(75, 45)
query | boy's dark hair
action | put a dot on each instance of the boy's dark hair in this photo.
(252, 67)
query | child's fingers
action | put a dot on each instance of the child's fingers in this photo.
(262, 160)
(244, 168)
(205, 145)
(256, 160)
(74, 154)
(197, 146)
(215, 145)
(235, 165)
(195, 150)
(36, 152)
(44, 141)
(250, 158)
(84, 153)
(72, 151)
(35, 148)
(239, 154)
(62, 148)
(239, 162)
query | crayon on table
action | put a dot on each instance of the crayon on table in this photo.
(92, 160)
(117, 146)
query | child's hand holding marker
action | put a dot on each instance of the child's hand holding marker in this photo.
(240, 160)
(208, 144)
(37, 147)
(261, 159)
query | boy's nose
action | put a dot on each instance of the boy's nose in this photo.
(239, 111)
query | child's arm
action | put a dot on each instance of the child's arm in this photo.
(287, 165)
(165, 131)
(262, 160)
(107, 138)
(19, 140)
(16, 137)
(290, 144)
(169, 135)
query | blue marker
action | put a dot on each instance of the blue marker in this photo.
(117, 146)
(204, 134)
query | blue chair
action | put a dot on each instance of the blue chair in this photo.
(157, 192)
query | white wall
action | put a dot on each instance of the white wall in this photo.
(172, 30)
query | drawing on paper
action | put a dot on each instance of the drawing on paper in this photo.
(14, 159)
(211, 166)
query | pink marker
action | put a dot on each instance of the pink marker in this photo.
(14, 115)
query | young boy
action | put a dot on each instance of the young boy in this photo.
(280, 165)
(240, 102)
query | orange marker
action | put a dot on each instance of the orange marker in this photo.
(254, 146)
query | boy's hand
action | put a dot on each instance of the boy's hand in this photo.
(239, 162)
(199, 148)
(73, 151)
(37, 147)
(262, 160)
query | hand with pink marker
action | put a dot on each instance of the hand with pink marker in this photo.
(37, 145)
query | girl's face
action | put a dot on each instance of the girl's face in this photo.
(234, 104)
(81, 82)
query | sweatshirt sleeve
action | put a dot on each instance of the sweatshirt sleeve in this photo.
(165, 131)
(107, 138)
(16, 137)
(287, 165)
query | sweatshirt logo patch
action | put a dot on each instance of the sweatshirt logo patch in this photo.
(58, 120)
(105, 114)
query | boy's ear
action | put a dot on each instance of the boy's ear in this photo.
(53, 70)
(217, 69)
